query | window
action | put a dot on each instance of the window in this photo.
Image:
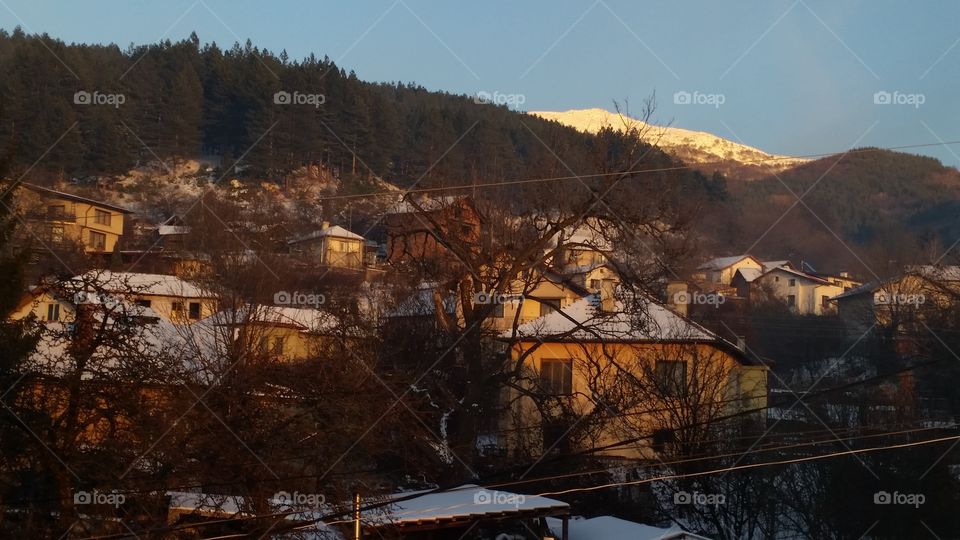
(793, 282)
(56, 211)
(277, 346)
(672, 377)
(56, 234)
(776, 278)
(53, 312)
(825, 301)
(497, 310)
(791, 300)
(556, 376)
(98, 241)
(101, 217)
(549, 305)
(176, 309)
(144, 303)
(194, 312)
(594, 283)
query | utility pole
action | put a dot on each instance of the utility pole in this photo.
(356, 516)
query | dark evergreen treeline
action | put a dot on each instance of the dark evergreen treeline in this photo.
(185, 99)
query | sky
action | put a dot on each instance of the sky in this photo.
(796, 77)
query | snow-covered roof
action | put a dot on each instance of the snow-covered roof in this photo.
(308, 320)
(610, 528)
(750, 274)
(168, 230)
(467, 502)
(143, 284)
(723, 262)
(799, 274)
(334, 231)
(770, 265)
(583, 320)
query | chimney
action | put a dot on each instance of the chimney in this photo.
(742, 343)
(324, 225)
(608, 299)
(678, 297)
(845, 274)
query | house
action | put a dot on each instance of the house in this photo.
(721, 270)
(172, 234)
(900, 300)
(522, 303)
(174, 299)
(455, 512)
(609, 527)
(332, 246)
(60, 217)
(279, 333)
(583, 350)
(803, 293)
(417, 230)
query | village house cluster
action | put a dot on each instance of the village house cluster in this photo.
(567, 322)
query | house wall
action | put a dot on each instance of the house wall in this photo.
(163, 305)
(79, 220)
(808, 294)
(738, 388)
(725, 275)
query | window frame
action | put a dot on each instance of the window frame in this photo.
(98, 241)
(555, 376)
(673, 387)
(103, 217)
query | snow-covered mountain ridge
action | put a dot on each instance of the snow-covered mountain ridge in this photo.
(698, 148)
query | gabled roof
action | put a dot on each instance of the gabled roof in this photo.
(334, 231)
(723, 262)
(306, 320)
(71, 197)
(770, 265)
(799, 274)
(749, 274)
(583, 320)
(144, 284)
(466, 503)
(934, 273)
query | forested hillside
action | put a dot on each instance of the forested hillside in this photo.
(896, 206)
(186, 99)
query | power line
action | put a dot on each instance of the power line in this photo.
(400, 191)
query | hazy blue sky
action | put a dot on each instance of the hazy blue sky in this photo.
(796, 77)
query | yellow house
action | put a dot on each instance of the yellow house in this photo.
(275, 333)
(168, 297)
(604, 370)
(721, 270)
(61, 217)
(332, 246)
(902, 301)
